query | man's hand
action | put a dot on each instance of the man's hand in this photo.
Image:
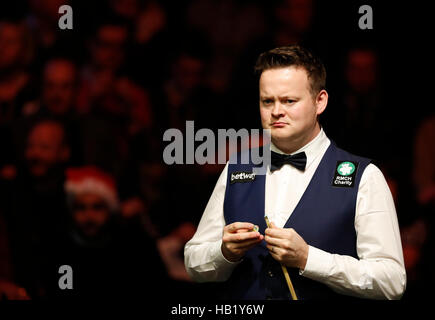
(237, 239)
(287, 246)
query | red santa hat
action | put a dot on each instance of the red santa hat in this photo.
(90, 179)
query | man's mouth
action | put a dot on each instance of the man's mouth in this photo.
(278, 124)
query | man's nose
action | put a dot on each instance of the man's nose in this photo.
(277, 110)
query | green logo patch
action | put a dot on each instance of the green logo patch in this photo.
(346, 168)
(344, 174)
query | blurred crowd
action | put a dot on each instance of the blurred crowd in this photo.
(82, 116)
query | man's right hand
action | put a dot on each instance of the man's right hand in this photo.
(237, 239)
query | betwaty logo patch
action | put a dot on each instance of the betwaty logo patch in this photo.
(241, 176)
(344, 175)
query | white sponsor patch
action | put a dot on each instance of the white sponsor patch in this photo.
(242, 177)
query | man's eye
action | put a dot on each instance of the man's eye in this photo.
(267, 101)
(289, 101)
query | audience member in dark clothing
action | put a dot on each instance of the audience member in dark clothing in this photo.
(35, 203)
(16, 85)
(115, 109)
(15, 81)
(57, 100)
(110, 258)
(354, 120)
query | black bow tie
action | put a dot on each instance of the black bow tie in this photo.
(298, 160)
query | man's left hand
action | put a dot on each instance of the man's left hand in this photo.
(287, 246)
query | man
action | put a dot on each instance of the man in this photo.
(15, 81)
(60, 87)
(16, 87)
(334, 224)
(47, 150)
(34, 204)
(110, 257)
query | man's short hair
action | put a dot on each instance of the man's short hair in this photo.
(294, 56)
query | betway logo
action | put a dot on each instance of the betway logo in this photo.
(242, 177)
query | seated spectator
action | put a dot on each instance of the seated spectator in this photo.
(424, 159)
(16, 85)
(115, 108)
(34, 203)
(59, 90)
(48, 39)
(418, 236)
(105, 88)
(15, 81)
(109, 257)
(359, 108)
(57, 100)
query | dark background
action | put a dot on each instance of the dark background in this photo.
(137, 68)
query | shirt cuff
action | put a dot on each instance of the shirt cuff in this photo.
(319, 264)
(220, 259)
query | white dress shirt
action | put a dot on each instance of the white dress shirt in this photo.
(378, 274)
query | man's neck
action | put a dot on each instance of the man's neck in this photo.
(290, 146)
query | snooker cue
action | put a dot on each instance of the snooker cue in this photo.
(284, 270)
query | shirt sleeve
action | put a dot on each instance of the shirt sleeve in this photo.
(203, 257)
(379, 273)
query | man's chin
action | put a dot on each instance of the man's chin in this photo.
(279, 134)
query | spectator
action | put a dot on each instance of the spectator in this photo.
(355, 116)
(59, 90)
(36, 208)
(47, 150)
(294, 21)
(184, 95)
(116, 109)
(286, 22)
(229, 26)
(418, 235)
(110, 258)
(15, 81)
(151, 35)
(424, 159)
(49, 40)
(56, 100)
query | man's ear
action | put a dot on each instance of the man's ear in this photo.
(321, 101)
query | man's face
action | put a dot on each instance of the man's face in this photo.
(188, 72)
(11, 44)
(296, 14)
(361, 70)
(59, 86)
(90, 213)
(287, 107)
(108, 50)
(45, 148)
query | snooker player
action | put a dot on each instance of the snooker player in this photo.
(333, 219)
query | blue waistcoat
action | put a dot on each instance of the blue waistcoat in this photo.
(324, 218)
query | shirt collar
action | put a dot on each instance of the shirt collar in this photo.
(312, 149)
